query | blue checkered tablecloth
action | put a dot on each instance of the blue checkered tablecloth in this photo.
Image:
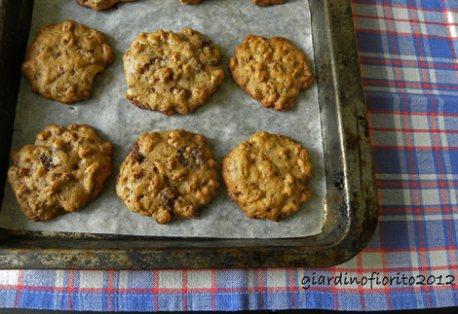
(408, 52)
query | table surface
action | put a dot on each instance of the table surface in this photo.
(410, 74)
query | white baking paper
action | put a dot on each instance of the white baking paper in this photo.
(229, 118)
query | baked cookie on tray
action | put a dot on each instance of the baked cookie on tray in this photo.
(64, 59)
(273, 71)
(166, 174)
(265, 3)
(172, 72)
(61, 172)
(99, 5)
(267, 176)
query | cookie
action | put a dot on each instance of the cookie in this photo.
(265, 3)
(172, 72)
(191, 1)
(64, 59)
(273, 71)
(99, 5)
(267, 176)
(166, 174)
(61, 172)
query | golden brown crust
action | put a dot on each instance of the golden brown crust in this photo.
(265, 3)
(61, 172)
(166, 174)
(64, 59)
(99, 5)
(172, 72)
(267, 175)
(273, 71)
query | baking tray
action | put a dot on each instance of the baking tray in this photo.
(351, 204)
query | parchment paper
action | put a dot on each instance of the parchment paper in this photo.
(229, 118)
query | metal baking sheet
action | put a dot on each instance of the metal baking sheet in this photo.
(350, 198)
(229, 117)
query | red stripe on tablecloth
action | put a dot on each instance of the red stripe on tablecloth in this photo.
(360, 289)
(291, 285)
(155, 290)
(411, 147)
(416, 34)
(184, 290)
(404, 84)
(19, 288)
(335, 290)
(70, 288)
(399, 62)
(411, 113)
(417, 248)
(405, 130)
(401, 6)
(417, 184)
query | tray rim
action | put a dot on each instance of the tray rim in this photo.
(354, 186)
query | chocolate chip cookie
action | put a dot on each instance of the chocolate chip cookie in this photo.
(172, 72)
(273, 71)
(267, 176)
(265, 3)
(64, 59)
(166, 174)
(191, 1)
(99, 5)
(61, 172)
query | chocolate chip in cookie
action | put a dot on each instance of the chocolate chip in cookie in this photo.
(265, 3)
(172, 72)
(191, 1)
(61, 172)
(64, 59)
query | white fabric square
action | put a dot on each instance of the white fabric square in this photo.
(199, 279)
(8, 277)
(170, 279)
